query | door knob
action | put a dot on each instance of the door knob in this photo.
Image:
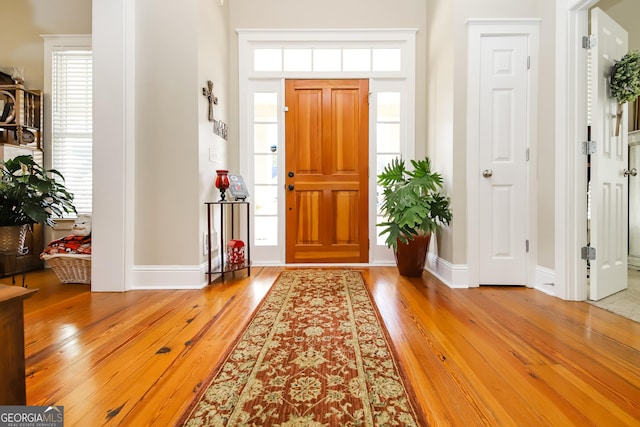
(487, 173)
(291, 187)
(291, 174)
(632, 172)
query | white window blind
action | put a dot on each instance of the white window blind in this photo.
(71, 122)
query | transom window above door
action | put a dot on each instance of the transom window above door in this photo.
(327, 59)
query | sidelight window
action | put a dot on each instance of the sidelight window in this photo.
(265, 178)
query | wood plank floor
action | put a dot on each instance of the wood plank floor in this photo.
(475, 357)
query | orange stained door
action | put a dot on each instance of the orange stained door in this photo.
(327, 138)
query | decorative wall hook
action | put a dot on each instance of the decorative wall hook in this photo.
(213, 100)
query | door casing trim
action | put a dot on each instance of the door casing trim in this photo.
(571, 124)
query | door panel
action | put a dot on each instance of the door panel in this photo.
(609, 186)
(327, 171)
(502, 160)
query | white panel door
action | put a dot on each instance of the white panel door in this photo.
(502, 160)
(609, 185)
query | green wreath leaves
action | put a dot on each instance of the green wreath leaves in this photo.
(625, 79)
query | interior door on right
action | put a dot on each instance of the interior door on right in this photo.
(502, 162)
(609, 185)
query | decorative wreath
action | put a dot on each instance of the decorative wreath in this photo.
(625, 79)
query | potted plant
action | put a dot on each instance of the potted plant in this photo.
(29, 194)
(413, 208)
(625, 82)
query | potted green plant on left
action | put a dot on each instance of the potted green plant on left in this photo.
(29, 194)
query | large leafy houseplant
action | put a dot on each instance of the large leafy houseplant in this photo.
(30, 194)
(412, 204)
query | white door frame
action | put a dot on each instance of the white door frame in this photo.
(402, 81)
(571, 125)
(479, 28)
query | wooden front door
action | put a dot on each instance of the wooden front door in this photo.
(326, 176)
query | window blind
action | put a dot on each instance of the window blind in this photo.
(71, 122)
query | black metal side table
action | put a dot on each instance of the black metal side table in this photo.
(227, 211)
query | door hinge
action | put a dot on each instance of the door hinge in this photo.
(527, 245)
(286, 109)
(527, 155)
(588, 147)
(528, 62)
(588, 253)
(589, 42)
(369, 98)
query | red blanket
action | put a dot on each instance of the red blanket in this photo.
(69, 245)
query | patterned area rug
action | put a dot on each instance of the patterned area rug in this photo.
(315, 354)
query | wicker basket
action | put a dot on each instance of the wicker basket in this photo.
(70, 268)
(12, 239)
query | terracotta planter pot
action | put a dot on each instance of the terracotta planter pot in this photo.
(411, 257)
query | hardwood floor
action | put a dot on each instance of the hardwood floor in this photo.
(475, 357)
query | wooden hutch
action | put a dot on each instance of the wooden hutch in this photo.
(21, 134)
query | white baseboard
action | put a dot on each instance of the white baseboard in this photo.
(153, 277)
(454, 276)
(545, 280)
(148, 277)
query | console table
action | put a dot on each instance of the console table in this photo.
(13, 390)
(227, 212)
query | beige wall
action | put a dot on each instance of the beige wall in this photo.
(546, 144)
(23, 22)
(440, 84)
(213, 64)
(175, 57)
(439, 118)
(179, 47)
(166, 143)
(447, 78)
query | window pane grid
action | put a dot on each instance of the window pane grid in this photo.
(265, 159)
(327, 59)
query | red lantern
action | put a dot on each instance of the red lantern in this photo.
(235, 252)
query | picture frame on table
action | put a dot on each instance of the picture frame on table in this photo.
(237, 187)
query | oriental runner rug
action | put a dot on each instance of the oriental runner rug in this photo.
(314, 354)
